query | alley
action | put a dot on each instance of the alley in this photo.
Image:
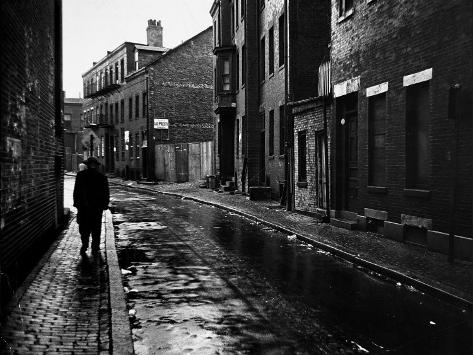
(202, 280)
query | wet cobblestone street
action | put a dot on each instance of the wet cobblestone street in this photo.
(201, 280)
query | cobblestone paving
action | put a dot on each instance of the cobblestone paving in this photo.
(64, 308)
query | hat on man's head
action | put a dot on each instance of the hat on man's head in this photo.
(92, 161)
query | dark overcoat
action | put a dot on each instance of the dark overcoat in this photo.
(91, 191)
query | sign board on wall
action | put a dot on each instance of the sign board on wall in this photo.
(161, 123)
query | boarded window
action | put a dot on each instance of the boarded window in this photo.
(377, 134)
(417, 136)
(281, 39)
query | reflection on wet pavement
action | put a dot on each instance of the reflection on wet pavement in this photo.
(204, 281)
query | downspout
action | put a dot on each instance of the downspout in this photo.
(288, 138)
(150, 134)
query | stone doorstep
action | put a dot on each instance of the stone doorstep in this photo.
(343, 223)
(439, 242)
(258, 193)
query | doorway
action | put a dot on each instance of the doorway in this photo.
(347, 152)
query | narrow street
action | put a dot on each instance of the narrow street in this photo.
(202, 280)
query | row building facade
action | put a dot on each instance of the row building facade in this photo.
(362, 108)
(131, 110)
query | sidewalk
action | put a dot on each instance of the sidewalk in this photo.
(409, 264)
(63, 305)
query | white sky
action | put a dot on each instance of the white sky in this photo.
(91, 27)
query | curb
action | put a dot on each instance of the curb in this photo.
(121, 338)
(395, 275)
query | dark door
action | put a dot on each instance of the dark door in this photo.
(182, 162)
(321, 177)
(351, 161)
(227, 146)
(262, 159)
(347, 155)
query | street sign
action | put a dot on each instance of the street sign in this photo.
(88, 137)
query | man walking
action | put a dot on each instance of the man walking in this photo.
(91, 197)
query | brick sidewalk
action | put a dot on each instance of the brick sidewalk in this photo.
(412, 265)
(63, 306)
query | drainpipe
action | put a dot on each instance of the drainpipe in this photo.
(150, 134)
(289, 151)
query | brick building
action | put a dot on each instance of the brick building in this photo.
(402, 147)
(256, 74)
(129, 101)
(31, 134)
(73, 126)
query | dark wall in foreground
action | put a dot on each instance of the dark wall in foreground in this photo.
(31, 135)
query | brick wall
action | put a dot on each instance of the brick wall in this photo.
(308, 116)
(382, 42)
(181, 90)
(31, 149)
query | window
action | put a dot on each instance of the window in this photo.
(282, 130)
(282, 38)
(130, 109)
(226, 76)
(111, 113)
(237, 69)
(271, 132)
(145, 104)
(117, 149)
(106, 114)
(122, 110)
(137, 145)
(262, 63)
(376, 143)
(122, 70)
(215, 33)
(116, 72)
(236, 14)
(243, 65)
(162, 134)
(417, 136)
(110, 71)
(67, 121)
(345, 7)
(137, 106)
(271, 51)
(232, 19)
(301, 153)
(122, 142)
(132, 150)
(136, 60)
(116, 113)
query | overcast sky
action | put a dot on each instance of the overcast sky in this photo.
(91, 27)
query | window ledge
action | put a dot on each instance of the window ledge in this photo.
(302, 184)
(377, 189)
(417, 193)
(345, 16)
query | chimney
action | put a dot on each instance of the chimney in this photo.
(154, 33)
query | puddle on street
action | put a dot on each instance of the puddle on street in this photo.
(225, 284)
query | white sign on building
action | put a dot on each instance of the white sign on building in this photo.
(161, 123)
